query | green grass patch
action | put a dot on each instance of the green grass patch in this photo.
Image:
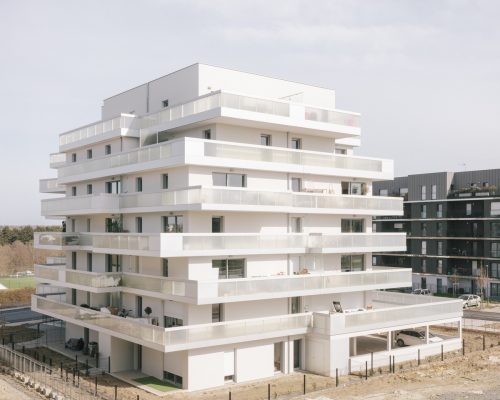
(155, 383)
(17, 283)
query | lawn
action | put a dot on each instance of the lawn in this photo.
(155, 383)
(16, 283)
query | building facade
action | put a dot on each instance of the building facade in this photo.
(226, 215)
(452, 221)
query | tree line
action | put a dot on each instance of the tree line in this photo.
(24, 234)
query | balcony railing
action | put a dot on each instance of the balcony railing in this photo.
(59, 240)
(124, 121)
(96, 280)
(209, 198)
(51, 185)
(57, 160)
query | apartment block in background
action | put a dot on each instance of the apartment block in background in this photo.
(452, 221)
(227, 215)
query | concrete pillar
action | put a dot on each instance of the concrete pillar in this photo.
(389, 341)
(354, 346)
(285, 367)
(427, 334)
(290, 356)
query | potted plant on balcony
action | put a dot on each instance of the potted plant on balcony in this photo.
(148, 311)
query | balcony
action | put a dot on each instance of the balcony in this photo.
(239, 109)
(124, 125)
(216, 244)
(391, 311)
(221, 199)
(57, 160)
(178, 338)
(193, 151)
(51, 185)
(225, 291)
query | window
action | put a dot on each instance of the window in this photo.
(352, 262)
(138, 224)
(495, 270)
(164, 181)
(495, 249)
(217, 224)
(73, 225)
(495, 209)
(73, 260)
(494, 289)
(73, 297)
(88, 225)
(296, 143)
(439, 248)
(295, 305)
(172, 378)
(399, 226)
(89, 154)
(468, 209)
(434, 192)
(73, 157)
(73, 190)
(229, 179)
(296, 184)
(217, 313)
(164, 264)
(164, 103)
(265, 140)
(169, 322)
(440, 267)
(89, 188)
(439, 229)
(424, 247)
(230, 269)
(107, 149)
(356, 188)
(495, 229)
(113, 187)
(113, 263)
(89, 262)
(113, 225)
(423, 192)
(296, 224)
(423, 228)
(439, 211)
(172, 223)
(207, 134)
(383, 192)
(403, 192)
(423, 283)
(352, 225)
(138, 184)
(424, 266)
(423, 211)
(339, 150)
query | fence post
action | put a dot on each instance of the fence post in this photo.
(61, 370)
(349, 366)
(419, 357)
(484, 343)
(366, 370)
(96, 385)
(304, 383)
(336, 377)
(442, 353)
(116, 392)
(109, 364)
(393, 364)
(371, 362)
(76, 361)
(229, 395)
(463, 347)
(390, 364)
(268, 391)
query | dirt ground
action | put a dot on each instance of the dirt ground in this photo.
(477, 375)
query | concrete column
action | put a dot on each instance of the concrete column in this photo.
(285, 367)
(389, 341)
(427, 334)
(354, 346)
(290, 356)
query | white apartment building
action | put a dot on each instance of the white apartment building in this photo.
(228, 212)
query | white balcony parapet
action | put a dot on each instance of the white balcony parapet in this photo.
(178, 338)
(196, 151)
(125, 125)
(51, 185)
(398, 311)
(224, 291)
(57, 160)
(199, 244)
(222, 199)
(58, 240)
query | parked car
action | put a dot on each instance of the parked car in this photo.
(412, 337)
(425, 292)
(470, 300)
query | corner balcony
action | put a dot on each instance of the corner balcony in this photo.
(57, 160)
(51, 185)
(220, 244)
(222, 199)
(226, 291)
(178, 338)
(391, 311)
(124, 125)
(194, 151)
(224, 244)
(266, 113)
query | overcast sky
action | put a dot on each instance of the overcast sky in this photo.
(425, 75)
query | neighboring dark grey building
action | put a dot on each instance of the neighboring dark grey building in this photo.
(452, 220)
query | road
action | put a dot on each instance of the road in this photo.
(483, 315)
(21, 314)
